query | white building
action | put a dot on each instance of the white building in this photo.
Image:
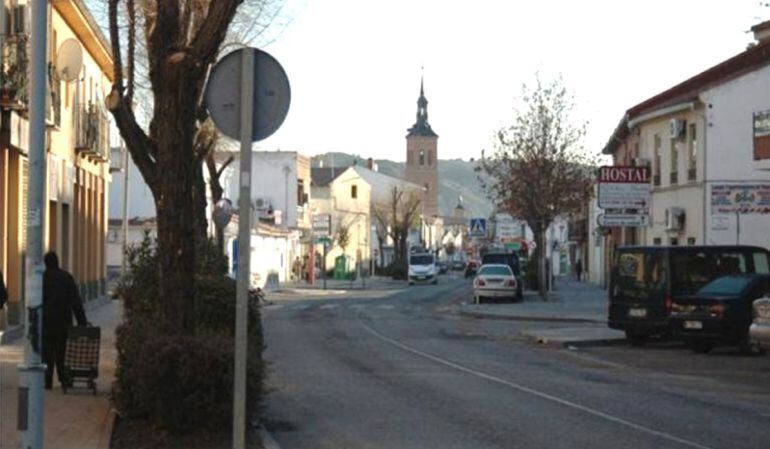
(707, 141)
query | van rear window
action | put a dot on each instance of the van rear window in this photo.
(639, 273)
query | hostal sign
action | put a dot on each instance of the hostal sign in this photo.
(622, 187)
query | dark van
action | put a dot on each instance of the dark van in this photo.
(645, 280)
(507, 258)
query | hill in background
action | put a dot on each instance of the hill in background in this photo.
(456, 178)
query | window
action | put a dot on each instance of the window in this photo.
(422, 157)
(354, 191)
(656, 168)
(656, 241)
(673, 241)
(761, 264)
(692, 151)
(674, 162)
(301, 196)
(690, 241)
(429, 158)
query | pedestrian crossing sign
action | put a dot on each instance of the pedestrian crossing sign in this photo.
(478, 227)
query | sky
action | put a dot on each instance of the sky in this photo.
(355, 65)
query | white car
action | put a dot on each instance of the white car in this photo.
(494, 281)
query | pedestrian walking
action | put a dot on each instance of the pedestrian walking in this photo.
(3, 292)
(578, 269)
(61, 300)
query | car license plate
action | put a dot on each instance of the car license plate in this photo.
(637, 313)
(693, 325)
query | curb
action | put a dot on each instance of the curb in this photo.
(105, 436)
(308, 291)
(268, 442)
(492, 316)
(562, 344)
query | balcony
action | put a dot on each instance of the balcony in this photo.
(92, 131)
(13, 74)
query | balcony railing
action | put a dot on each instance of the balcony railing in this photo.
(13, 73)
(92, 131)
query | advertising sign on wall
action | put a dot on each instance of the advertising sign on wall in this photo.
(740, 198)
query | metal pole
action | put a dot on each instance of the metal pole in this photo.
(244, 250)
(737, 227)
(30, 418)
(125, 211)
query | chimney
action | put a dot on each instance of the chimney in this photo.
(370, 164)
(762, 31)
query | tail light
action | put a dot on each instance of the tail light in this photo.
(480, 282)
(511, 283)
(677, 308)
(717, 310)
(668, 304)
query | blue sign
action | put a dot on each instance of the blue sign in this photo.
(478, 227)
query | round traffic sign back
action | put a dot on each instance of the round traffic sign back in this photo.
(272, 94)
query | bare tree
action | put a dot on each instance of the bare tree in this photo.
(538, 169)
(174, 43)
(397, 215)
(342, 236)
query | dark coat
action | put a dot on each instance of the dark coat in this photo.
(61, 299)
(3, 292)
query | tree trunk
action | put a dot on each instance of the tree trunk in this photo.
(540, 257)
(177, 202)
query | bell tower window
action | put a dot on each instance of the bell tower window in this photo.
(422, 157)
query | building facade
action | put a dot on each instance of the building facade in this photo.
(707, 142)
(77, 141)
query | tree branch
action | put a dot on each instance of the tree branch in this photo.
(213, 30)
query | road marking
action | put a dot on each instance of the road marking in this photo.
(329, 306)
(386, 306)
(534, 392)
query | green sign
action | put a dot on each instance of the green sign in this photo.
(326, 241)
(513, 245)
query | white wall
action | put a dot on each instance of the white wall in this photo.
(730, 157)
(140, 201)
(274, 176)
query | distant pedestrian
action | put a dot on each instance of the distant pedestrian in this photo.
(61, 300)
(578, 269)
(3, 292)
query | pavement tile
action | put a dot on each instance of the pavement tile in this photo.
(75, 420)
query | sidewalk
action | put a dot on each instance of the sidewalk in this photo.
(338, 287)
(78, 419)
(580, 306)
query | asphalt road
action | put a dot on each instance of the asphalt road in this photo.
(402, 372)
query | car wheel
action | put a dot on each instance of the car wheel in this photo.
(435, 281)
(702, 346)
(637, 338)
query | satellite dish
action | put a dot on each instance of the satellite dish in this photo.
(69, 60)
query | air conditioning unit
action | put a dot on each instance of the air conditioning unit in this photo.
(641, 162)
(261, 203)
(674, 218)
(676, 128)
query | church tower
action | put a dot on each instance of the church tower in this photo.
(422, 156)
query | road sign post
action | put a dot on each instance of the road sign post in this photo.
(248, 98)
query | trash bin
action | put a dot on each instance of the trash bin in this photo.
(341, 267)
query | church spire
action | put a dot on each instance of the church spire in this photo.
(421, 126)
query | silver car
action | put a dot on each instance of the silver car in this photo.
(494, 281)
(759, 331)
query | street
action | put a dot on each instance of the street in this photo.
(400, 370)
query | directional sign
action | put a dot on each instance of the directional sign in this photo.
(322, 225)
(623, 187)
(478, 227)
(623, 220)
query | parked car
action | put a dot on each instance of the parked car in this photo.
(719, 312)
(422, 269)
(458, 265)
(512, 260)
(646, 280)
(494, 281)
(471, 268)
(759, 331)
